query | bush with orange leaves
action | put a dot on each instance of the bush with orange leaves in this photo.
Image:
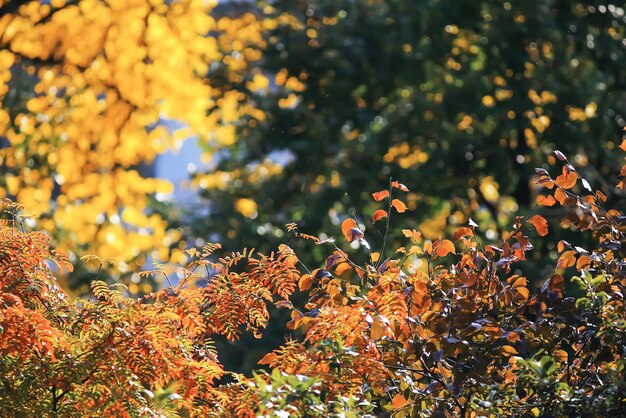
(449, 327)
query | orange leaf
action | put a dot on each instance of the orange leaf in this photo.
(623, 145)
(567, 259)
(379, 214)
(399, 402)
(341, 268)
(463, 232)
(445, 247)
(508, 351)
(545, 200)
(268, 358)
(522, 292)
(399, 205)
(377, 330)
(378, 196)
(567, 179)
(540, 224)
(584, 261)
(399, 186)
(305, 282)
(346, 228)
(560, 196)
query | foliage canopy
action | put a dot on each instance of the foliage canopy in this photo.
(445, 327)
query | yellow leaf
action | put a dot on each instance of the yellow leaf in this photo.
(415, 250)
(247, 207)
(508, 351)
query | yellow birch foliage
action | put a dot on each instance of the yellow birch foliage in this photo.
(85, 86)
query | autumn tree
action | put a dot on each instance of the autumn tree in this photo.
(444, 327)
(88, 88)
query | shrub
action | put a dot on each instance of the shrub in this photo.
(445, 327)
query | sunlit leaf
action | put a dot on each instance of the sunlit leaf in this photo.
(540, 224)
(378, 196)
(379, 214)
(398, 205)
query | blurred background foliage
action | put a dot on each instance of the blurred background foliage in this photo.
(301, 110)
(459, 100)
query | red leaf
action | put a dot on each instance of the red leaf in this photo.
(378, 215)
(378, 196)
(399, 205)
(540, 224)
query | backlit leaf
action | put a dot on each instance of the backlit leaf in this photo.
(399, 186)
(346, 228)
(305, 282)
(545, 200)
(540, 224)
(379, 214)
(378, 196)
(444, 248)
(399, 205)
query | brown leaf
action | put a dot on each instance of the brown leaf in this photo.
(560, 196)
